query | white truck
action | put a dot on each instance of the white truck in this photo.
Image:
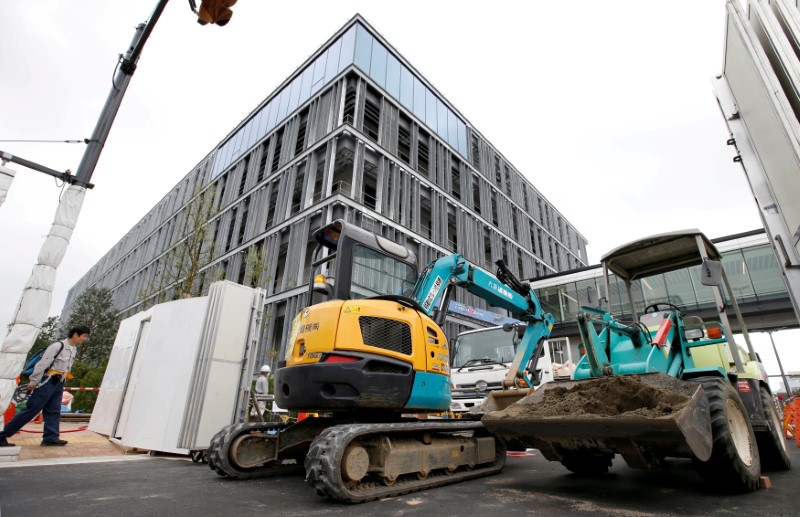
(480, 360)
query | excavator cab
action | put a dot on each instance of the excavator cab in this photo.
(361, 343)
(351, 263)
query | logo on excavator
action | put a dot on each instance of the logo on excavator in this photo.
(437, 285)
(501, 290)
(311, 327)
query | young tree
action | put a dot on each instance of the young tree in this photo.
(95, 309)
(177, 272)
(255, 263)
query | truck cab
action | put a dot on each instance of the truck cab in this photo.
(480, 360)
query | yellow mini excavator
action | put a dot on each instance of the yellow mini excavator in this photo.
(369, 356)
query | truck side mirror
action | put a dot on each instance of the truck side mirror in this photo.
(508, 327)
(711, 272)
(536, 377)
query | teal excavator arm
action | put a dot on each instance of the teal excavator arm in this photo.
(432, 292)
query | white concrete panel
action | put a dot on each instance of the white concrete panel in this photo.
(219, 368)
(129, 391)
(109, 399)
(219, 402)
(175, 371)
(162, 381)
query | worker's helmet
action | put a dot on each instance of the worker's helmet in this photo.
(265, 369)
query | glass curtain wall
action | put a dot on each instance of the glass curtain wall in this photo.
(317, 74)
(356, 46)
(391, 75)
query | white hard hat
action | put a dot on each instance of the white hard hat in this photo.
(265, 369)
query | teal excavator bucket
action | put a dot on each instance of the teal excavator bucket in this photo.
(644, 418)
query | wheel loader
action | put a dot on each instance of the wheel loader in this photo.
(369, 357)
(661, 385)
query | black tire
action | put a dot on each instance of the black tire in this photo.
(771, 444)
(734, 465)
(586, 463)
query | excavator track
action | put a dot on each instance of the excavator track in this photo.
(355, 463)
(220, 458)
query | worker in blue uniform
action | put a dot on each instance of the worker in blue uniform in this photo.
(47, 385)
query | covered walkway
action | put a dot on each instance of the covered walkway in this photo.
(749, 264)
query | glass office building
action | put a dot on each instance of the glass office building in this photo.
(356, 132)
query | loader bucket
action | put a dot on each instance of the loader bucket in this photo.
(645, 418)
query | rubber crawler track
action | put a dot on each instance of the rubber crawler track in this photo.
(219, 453)
(323, 469)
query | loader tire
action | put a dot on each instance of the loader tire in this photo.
(587, 464)
(771, 443)
(734, 465)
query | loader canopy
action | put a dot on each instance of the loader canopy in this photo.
(660, 253)
(671, 251)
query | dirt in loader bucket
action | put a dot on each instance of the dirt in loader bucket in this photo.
(644, 417)
(604, 397)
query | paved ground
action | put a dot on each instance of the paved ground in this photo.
(530, 485)
(82, 443)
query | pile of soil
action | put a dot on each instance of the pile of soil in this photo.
(603, 397)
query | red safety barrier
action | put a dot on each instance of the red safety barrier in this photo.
(61, 431)
(519, 454)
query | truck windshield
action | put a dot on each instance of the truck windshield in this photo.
(491, 346)
(376, 274)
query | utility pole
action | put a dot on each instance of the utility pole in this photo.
(118, 87)
(37, 294)
(36, 297)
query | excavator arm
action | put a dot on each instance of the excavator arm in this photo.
(504, 290)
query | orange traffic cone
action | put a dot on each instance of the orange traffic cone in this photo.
(788, 420)
(796, 418)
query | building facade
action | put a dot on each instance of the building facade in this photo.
(355, 133)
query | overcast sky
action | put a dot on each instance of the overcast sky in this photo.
(607, 107)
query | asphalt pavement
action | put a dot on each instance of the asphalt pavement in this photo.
(530, 485)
